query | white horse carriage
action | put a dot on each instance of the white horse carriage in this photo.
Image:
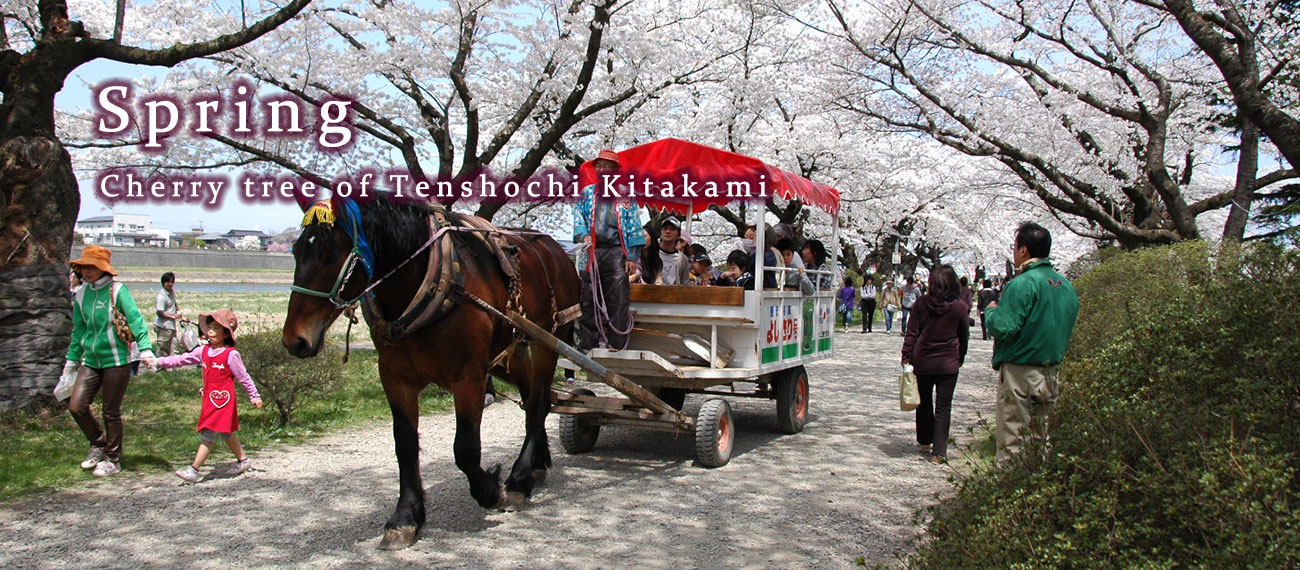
(723, 342)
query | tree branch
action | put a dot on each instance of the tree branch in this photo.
(108, 49)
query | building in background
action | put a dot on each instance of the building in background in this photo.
(126, 230)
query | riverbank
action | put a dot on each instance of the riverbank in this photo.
(151, 274)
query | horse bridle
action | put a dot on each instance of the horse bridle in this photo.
(345, 273)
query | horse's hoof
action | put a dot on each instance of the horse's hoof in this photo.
(501, 499)
(513, 501)
(398, 538)
(539, 477)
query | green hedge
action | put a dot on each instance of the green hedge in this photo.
(1175, 441)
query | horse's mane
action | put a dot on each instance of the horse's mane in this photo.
(395, 230)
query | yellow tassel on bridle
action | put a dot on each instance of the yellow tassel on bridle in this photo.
(320, 212)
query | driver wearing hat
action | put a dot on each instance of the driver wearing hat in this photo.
(610, 231)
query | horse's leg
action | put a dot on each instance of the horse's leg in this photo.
(484, 486)
(534, 380)
(404, 400)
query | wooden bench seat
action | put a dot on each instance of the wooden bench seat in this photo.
(687, 295)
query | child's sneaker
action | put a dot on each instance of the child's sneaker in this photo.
(106, 468)
(93, 458)
(242, 466)
(189, 474)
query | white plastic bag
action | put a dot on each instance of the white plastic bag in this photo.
(909, 396)
(189, 335)
(67, 381)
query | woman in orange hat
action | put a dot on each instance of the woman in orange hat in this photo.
(222, 367)
(99, 355)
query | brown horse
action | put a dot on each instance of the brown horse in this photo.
(453, 351)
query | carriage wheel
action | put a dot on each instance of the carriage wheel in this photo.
(715, 433)
(675, 397)
(792, 400)
(578, 434)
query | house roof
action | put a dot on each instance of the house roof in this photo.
(96, 219)
(242, 233)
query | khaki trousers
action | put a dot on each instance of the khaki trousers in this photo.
(1026, 396)
(168, 342)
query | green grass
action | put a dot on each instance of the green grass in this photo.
(40, 453)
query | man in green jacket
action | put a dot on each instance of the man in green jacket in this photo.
(1031, 326)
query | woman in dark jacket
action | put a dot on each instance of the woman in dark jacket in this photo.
(935, 345)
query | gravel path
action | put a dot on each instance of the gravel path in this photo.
(846, 487)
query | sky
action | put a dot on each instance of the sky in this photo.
(232, 214)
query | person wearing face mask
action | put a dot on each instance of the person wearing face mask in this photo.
(771, 257)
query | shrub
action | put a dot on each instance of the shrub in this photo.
(1175, 440)
(286, 380)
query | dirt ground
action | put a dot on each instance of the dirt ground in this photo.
(847, 487)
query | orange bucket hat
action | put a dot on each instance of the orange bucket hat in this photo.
(608, 155)
(225, 317)
(95, 256)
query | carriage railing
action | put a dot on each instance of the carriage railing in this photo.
(814, 275)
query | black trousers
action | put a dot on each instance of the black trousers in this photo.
(934, 416)
(868, 313)
(612, 270)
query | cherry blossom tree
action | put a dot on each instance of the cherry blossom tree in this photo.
(1098, 108)
(40, 45)
(446, 92)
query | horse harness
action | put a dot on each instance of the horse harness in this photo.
(443, 284)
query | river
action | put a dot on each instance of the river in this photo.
(208, 287)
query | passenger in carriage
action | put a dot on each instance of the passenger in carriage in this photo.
(702, 272)
(771, 257)
(796, 277)
(739, 273)
(814, 258)
(666, 261)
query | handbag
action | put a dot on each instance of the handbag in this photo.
(909, 396)
(120, 326)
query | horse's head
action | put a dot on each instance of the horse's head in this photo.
(326, 273)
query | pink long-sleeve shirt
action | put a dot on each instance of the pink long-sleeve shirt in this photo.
(234, 361)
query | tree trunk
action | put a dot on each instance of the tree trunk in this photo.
(41, 201)
(38, 189)
(1244, 192)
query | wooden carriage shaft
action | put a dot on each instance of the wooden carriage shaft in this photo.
(631, 389)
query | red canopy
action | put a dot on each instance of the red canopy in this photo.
(673, 173)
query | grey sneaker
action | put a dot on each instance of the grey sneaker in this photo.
(93, 458)
(487, 400)
(189, 474)
(105, 468)
(242, 466)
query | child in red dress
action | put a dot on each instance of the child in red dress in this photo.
(222, 366)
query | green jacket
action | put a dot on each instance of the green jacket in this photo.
(1034, 318)
(94, 342)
